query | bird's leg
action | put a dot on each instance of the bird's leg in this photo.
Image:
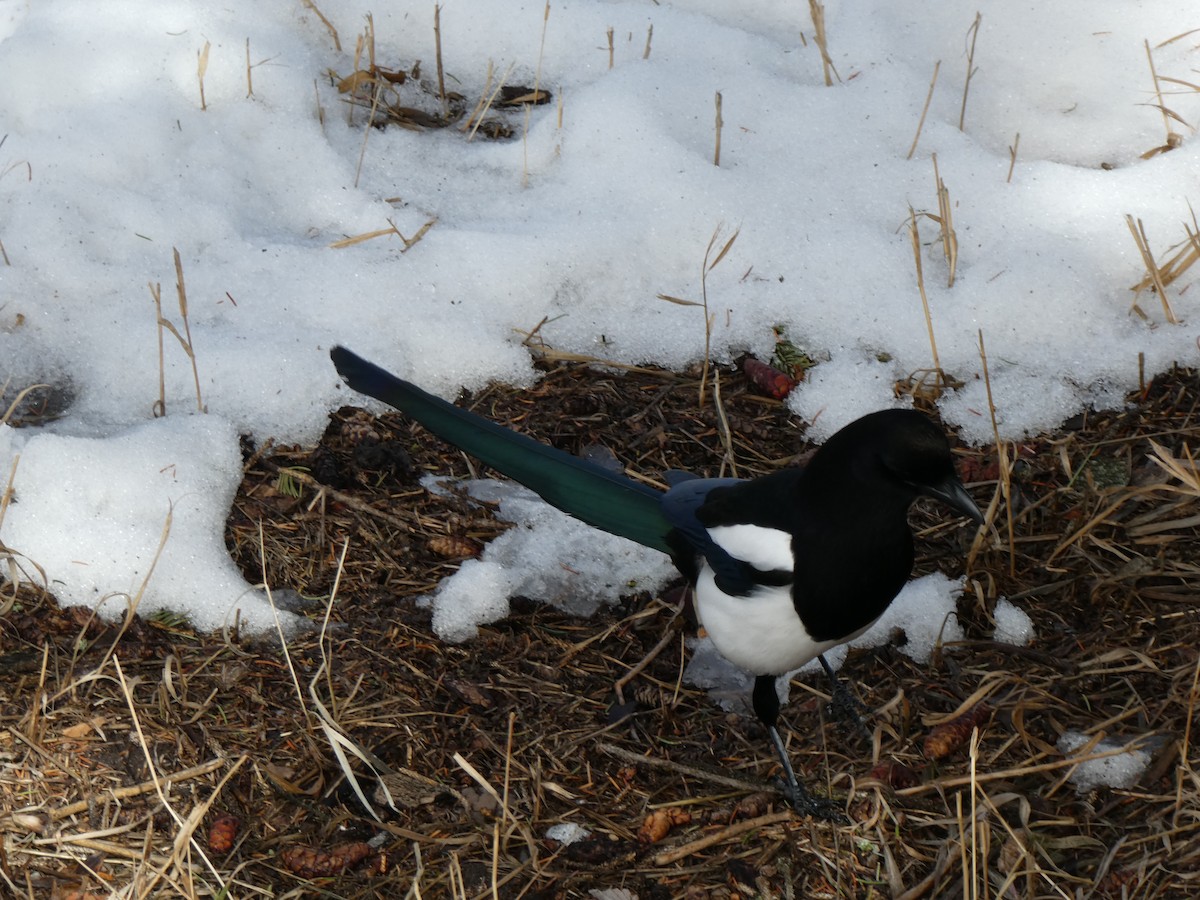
(844, 705)
(797, 795)
(766, 707)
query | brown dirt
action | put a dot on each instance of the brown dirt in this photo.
(493, 741)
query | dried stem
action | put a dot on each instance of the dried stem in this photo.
(188, 346)
(537, 84)
(486, 101)
(337, 43)
(201, 68)
(160, 405)
(972, 33)
(946, 218)
(719, 123)
(1162, 107)
(1005, 463)
(924, 109)
(816, 9)
(1138, 230)
(916, 243)
(376, 91)
(441, 73)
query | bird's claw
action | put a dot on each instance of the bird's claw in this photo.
(848, 710)
(805, 804)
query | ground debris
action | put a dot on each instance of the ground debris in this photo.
(95, 798)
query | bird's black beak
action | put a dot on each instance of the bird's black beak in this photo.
(953, 494)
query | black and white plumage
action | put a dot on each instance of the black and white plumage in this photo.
(784, 567)
(816, 553)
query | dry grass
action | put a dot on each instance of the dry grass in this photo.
(144, 760)
(1159, 276)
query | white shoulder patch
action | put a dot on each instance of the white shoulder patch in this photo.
(767, 549)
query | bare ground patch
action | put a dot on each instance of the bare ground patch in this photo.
(174, 764)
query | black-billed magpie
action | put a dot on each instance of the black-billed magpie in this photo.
(783, 567)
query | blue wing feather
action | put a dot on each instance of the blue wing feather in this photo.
(680, 506)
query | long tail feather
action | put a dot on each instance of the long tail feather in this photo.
(592, 494)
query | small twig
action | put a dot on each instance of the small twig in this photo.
(7, 496)
(972, 33)
(437, 44)
(723, 425)
(347, 500)
(1005, 466)
(337, 43)
(953, 781)
(946, 218)
(185, 339)
(1066, 666)
(649, 37)
(1012, 157)
(362, 152)
(370, 36)
(719, 124)
(1162, 108)
(916, 243)
(249, 79)
(817, 11)
(133, 790)
(1186, 740)
(667, 638)
(201, 68)
(537, 84)
(189, 347)
(382, 232)
(700, 774)
(160, 406)
(1138, 230)
(711, 840)
(486, 104)
(924, 109)
(611, 48)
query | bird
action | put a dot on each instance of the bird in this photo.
(782, 567)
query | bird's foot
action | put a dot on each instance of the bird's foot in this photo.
(805, 804)
(843, 705)
(798, 798)
(847, 709)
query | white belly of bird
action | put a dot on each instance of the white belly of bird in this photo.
(761, 633)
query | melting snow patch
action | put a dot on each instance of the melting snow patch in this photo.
(1012, 625)
(924, 611)
(549, 557)
(567, 833)
(1120, 770)
(728, 685)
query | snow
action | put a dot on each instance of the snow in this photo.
(549, 557)
(1013, 625)
(609, 198)
(1120, 768)
(567, 833)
